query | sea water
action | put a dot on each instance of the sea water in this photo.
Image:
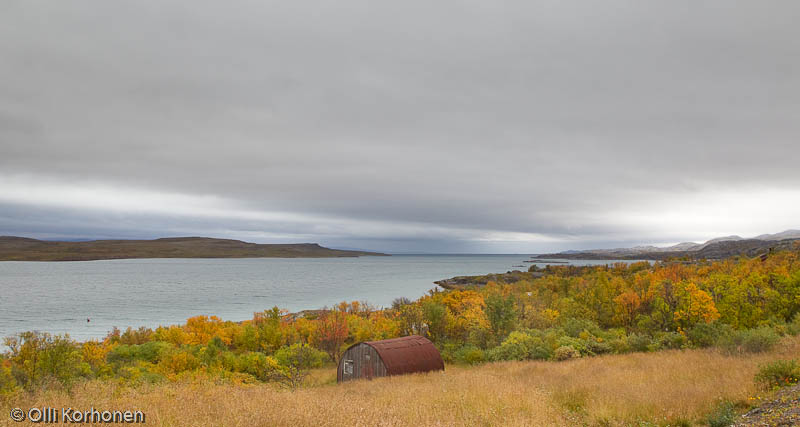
(87, 299)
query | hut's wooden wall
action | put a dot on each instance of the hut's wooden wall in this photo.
(365, 361)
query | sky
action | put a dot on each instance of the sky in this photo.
(414, 126)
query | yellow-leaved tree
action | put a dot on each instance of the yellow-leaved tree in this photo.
(695, 305)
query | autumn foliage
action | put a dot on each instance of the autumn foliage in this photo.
(740, 305)
(331, 333)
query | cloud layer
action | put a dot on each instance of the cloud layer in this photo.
(456, 126)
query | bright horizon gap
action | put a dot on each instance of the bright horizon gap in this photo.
(652, 222)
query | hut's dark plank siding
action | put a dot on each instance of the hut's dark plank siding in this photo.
(389, 357)
(366, 363)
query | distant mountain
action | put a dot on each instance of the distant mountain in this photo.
(685, 246)
(720, 247)
(725, 239)
(25, 249)
(788, 234)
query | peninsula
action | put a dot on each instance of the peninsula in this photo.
(25, 249)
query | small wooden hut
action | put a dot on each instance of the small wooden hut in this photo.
(395, 356)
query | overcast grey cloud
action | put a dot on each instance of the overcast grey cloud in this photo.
(401, 126)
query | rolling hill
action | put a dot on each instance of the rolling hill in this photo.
(718, 248)
(25, 249)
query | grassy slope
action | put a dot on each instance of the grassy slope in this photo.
(662, 388)
(22, 249)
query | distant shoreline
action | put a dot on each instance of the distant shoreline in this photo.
(25, 249)
(710, 251)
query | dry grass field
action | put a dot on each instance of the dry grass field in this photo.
(664, 388)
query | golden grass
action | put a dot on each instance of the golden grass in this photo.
(660, 388)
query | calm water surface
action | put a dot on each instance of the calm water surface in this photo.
(58, 297)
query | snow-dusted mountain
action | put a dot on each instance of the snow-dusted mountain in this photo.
(788, 234)
(716, 246)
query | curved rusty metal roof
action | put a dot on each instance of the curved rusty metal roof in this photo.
(409, 354)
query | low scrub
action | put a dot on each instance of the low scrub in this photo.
(722, 416)
(470, 355)
(521, 346)
(749, 341)
(566, 352)
(708, 334)
(779, 373)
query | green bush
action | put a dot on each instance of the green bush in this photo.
(470, 355)
(140, 373)
(573, 327)
(448, 351)
(793, 328)
(576, 343)
(480, 337)
(750, 341)
(148, 352)
(229, 361)
(25, 354)
(520, 346)
(122, 354)
(722, 416)
(177, 360)
(598, 347)
(645, 323)
(255, 364)
(671, 340)
(435, 316)
(301, 356)
(38, 358)
(779, 373)
(152, 351)
(62, 361)
(540, 352)
(501, 313)
(7, 382)
(566, 353)
(760, 340)
(707, 334)
(638, 342)
(211, 355)
(619, 345)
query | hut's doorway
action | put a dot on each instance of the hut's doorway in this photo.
(367, 364)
